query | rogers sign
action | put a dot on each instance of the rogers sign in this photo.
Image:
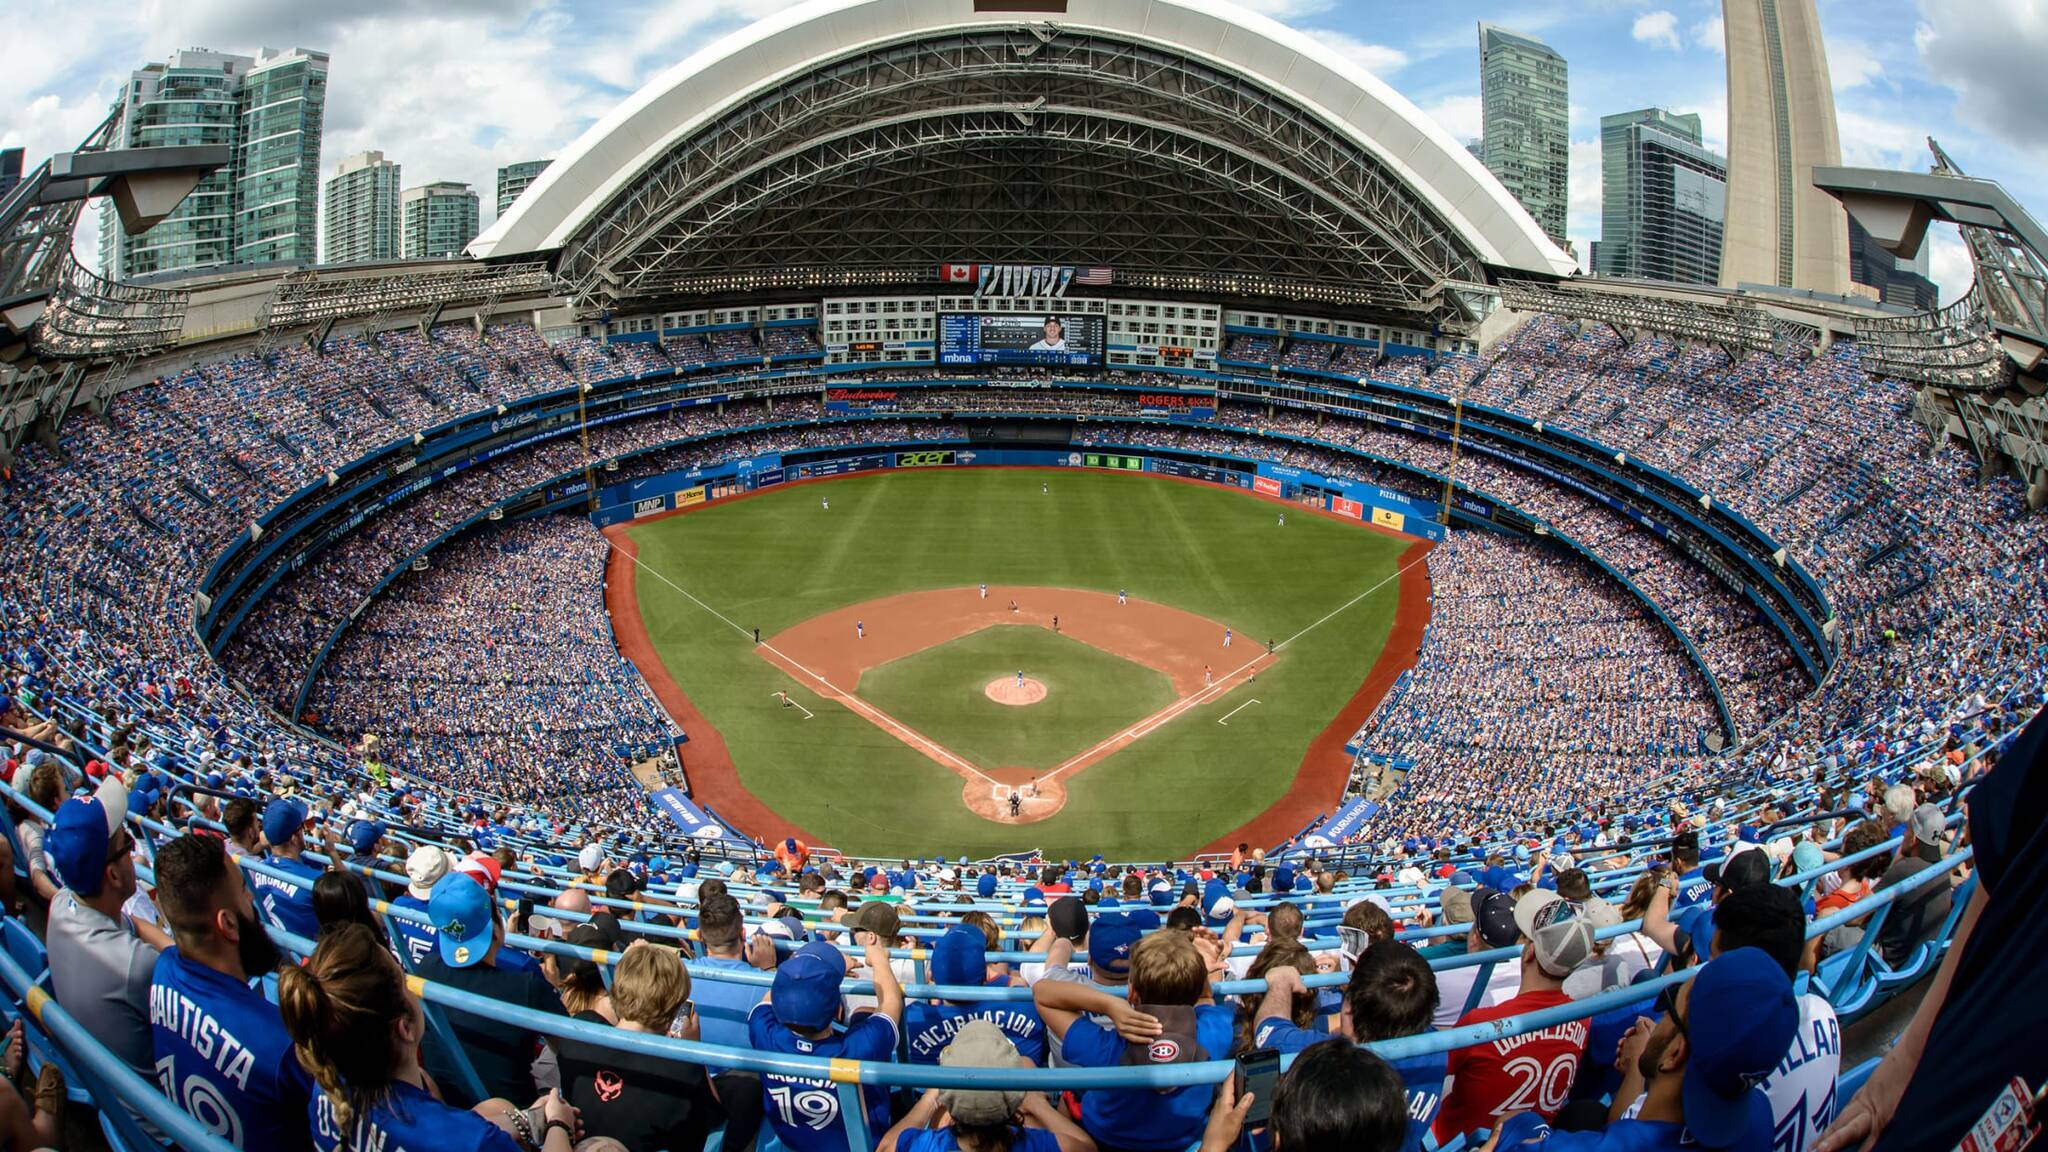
(1171, 400)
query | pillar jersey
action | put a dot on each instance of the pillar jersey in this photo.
(223, 1056)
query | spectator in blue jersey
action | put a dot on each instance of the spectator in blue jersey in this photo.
(423, 869)
(284, 904)
(469, 954)
(353, 1024)
(800, 1017)
(1167, 1020)
(221, 1051)
(1690, 880)
(1391, 993)
(1335, 1097)
(960, 959)
(1721, 1034)
(970, 1120)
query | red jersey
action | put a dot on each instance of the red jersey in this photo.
(1530, 1073)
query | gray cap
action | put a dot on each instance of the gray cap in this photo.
(980, 1044)
(1926, 824)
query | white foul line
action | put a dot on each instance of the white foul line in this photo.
(1225, 721)
(1153, 722)
(791, 701)
(873, 714)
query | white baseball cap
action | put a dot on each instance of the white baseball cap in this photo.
(423, 869)
(591, 858)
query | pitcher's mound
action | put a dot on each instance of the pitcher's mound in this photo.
(1006, 690)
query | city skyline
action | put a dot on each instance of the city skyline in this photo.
(531, 75)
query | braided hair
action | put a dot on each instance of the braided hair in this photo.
(339, 1009)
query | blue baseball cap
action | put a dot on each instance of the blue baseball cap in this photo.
(363, 836)
(281, 818)
(805, 994)
(985, 885)
(1110, 940)
(81, 831)
(1739, 1021)
(461, 912)
(1034, 896)
(1807, 856)
(960, 957)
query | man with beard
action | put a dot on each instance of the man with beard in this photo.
(221, 1049)
(1719, 1037)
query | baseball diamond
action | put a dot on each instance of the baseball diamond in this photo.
(903, 708)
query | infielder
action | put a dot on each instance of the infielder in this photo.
(1208, 681)
(860, 630)
(1020, 677)
(1121, 596)
(1055, 623)
(984, 590)
(1226, 637)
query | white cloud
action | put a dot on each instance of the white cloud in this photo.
(1989, 52)
(1378, 59)
(1583, 212)
(1461, 116)
(1949, 262)
(1872, 139)
(1658, 29)
(1711, 34)
(1852, 63)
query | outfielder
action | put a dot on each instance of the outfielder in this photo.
(825, 502)
(1283, 519)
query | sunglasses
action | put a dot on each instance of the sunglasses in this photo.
(1667, 1003)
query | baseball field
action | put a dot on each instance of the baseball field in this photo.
(984, 660)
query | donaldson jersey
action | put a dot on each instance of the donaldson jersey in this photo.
(284, 905)
(222, 1054)
(805, 1113)
(930, 1027)
(1527, 1073)
(408, 1120)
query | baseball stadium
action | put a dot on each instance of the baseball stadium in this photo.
(988, 574)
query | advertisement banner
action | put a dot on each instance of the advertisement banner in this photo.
(1178, 405)
(1343, 506)
(690, 818)
(841, 401)
(1266, 486)
(1102, 460)
(845, 466)
(649, 506)
(937, 458)
(1386, 519)
(690, 497)
(1347, 821)
(766, 476)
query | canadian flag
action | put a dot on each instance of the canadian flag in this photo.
(958, 273)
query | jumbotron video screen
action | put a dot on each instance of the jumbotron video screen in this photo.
(1049, 339)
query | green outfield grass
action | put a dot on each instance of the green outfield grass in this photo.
(1090, 695)
(775, 559)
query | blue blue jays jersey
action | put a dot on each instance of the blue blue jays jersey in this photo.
(222, 1054)
(284, 905)
(408, 1120)
(805, 1113)
(928, 1027)
(416, 939)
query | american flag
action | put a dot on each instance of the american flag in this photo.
(1094, 277)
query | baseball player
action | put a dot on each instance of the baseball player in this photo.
(1020, 678)
(1016, 805)
(1044, 489)
(1121, 596)
(1055, 623)
(1226, 637)
(1283, 519)
(984, 589)
(1269, 646)
(825, 502)
(757, 635)
(1208, 681)
(860, 630)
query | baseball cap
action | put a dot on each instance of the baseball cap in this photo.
(81, 831)
(1494, 914)
(1069, 918)
(1564, 944)
(1457, 905)
(461, 912)
(960, 958)
(980, 1044)
(1110, 940)
(423, 869)
(281, 818)
(880, 918)
(591, 858)
(1739, 1021)
(1925, 824)
(363, 836)
(1600, 913)
(805, 994)
(1746, 867)
(985, 885)
(1539, 909)
(481, 868)
(1807, 856)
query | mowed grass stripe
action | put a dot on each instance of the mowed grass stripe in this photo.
(1091, 695)
(777, 558)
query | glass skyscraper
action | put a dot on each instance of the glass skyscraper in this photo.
(1526, 114)
(516, 178)
(440, 219)
(362, 210)
(263, 206)
(1663, 199)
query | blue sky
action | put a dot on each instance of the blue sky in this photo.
(454, 88)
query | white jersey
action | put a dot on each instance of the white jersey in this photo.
(1453, 985)
(1802, 1086)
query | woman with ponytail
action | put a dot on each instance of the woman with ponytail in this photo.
(358, 1031)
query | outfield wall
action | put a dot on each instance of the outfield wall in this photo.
(675, 491)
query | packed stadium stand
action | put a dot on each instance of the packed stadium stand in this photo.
(338, 816)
